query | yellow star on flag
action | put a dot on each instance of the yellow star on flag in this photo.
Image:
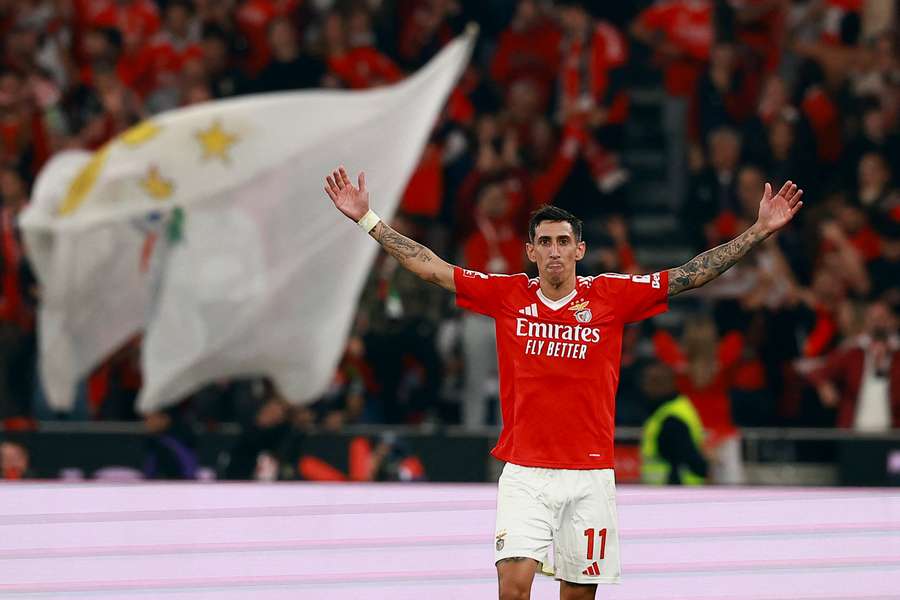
(216, 142)
(156, 185)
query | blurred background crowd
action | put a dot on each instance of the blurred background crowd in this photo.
(658, 123)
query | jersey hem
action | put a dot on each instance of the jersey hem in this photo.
(541, 464)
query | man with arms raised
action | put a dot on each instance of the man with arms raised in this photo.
(559, 339)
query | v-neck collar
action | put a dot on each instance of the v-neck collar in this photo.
(557, 304)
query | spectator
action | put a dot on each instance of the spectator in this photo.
(425, 27)
(111, 108)
(258, 453)
(681, 34)
(785, 156)
(25, 142)
(290, 68)
(528, 50)
(170, 448)
(14, 462)
(136, 20)
(840, 255)
(356, 66)
(169, 54)
(884, 271)
(347, 399)
(861, 380)
(399, 318)
(874, 136)
(725, 92)
(875, 192)
(494, 247)
(672, 440)
(225, 79)
(17, 337)
(705, 367)
(712, 207)
(254, 20)
(592, 94)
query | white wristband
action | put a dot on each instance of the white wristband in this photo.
(369, 221)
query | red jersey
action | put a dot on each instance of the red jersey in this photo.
(559, 361)
(686, 24)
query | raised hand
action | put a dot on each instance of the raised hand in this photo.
(352, 201)
(776, 211)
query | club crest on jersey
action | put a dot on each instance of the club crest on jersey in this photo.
(500, 542)
(582, 313)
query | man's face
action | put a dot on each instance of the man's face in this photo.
(750, 187)
(178, 20)
(555, 251)
(574, 19)
(880, 321)
(724, 150)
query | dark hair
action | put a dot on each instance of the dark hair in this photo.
(888, 228)
(185, 5)
(549, 212)
(112, 36)
(212, 31)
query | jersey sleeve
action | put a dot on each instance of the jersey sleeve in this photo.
(478, 292)
(636, 297)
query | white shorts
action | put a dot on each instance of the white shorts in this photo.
(574, 510)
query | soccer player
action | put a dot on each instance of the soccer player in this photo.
(559, 339)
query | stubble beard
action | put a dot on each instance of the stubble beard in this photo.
(554, 279)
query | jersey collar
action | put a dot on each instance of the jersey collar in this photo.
(556, 304)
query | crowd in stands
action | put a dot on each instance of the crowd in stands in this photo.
(803, 332)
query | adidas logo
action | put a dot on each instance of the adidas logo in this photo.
(592, 570)
(530, 311)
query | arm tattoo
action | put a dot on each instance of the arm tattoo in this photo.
(712, 263)
(405, 250)
(412, 255)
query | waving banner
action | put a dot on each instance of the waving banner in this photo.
(208, 229)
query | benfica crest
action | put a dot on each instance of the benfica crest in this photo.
(582, 313)
(500, 537)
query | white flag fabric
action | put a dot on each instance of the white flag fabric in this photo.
(208, 228)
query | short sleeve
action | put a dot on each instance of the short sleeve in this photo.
(478, 292)
(636, 297)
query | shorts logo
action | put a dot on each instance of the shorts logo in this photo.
(500, 541)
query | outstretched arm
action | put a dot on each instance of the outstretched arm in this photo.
(354, 203)
(774, 213)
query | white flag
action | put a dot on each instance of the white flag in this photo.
(208, 228)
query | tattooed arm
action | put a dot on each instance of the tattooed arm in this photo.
(354, 203)
(774, 213)
(712, 263)
(415, 257)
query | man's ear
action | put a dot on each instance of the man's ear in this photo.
(580, 250)
(529, 251)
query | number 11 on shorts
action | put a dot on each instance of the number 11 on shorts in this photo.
(589, 534)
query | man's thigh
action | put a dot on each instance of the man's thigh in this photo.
(587, 546)
(524, 520)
